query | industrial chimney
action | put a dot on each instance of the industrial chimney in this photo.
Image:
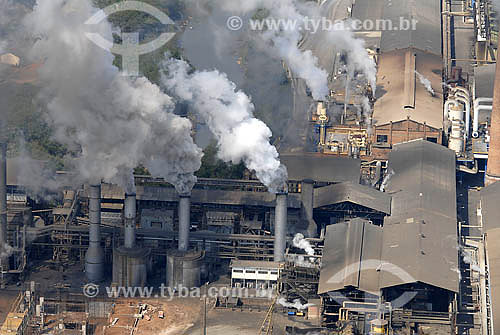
(184, 221)
(280, 222)
(307, 197)
(493, 170)
(94, 260)
(130, 214)
(3, 202)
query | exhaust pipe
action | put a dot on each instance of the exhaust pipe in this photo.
(184, 221)
(280, 223)
(94, 260)
(130, 215)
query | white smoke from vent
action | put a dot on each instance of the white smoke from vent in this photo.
(295, 304)
(115, 122)
(229, 116)
(5, 251)
(469, 259)
(426, 82)
(300, 242)
(364, 111)
(386, 180)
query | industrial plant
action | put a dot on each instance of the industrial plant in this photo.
(371, 206)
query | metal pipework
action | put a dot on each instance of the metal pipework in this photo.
(130, 215)
(3, 199)
(466, 102)
(280, 223)
(184, 221)
(94, 260)
(477, 109)
(493, 170)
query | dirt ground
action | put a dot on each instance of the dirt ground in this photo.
(7, 298)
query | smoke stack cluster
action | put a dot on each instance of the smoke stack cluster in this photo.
(493, 171)
(130, 214)
(94, 260)
(3, 201)
(280, 223)
(184, 221)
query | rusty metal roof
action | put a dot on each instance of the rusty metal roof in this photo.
(355, 193)
(351, 257)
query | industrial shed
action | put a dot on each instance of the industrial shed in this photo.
(420, 236)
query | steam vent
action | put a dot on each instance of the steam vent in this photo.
(326, 167)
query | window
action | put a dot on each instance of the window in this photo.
(250, 271)
(238, 271)
(263, 272)
(382, 139)
(432, 139)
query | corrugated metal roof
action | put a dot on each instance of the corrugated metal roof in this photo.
(420, 236)
(392, 96)
(484, 80)
(321, 168)
(255, 264)
(351, 257)
(493, 256)
(490, 209)
(355, 193)
(427, 33)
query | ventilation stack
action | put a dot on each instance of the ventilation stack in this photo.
(280, 222)
(4, 262)
(94, 260)
(130, 262)
(184, 221)
(493, 170)
(307, 197)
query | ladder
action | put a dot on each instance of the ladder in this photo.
(266, 328)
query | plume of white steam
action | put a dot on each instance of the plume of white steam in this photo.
(229, 116)
(364, 113)
(469, 259)
(386, 180)
(5, 251)
(426, 82)
(116, 122)
(296, 304)
(300, 242)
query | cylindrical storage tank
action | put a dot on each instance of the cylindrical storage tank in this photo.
(456, 113)
(184, 221)
(130, 266)
(184, 268)
(281, 218)
(456, 140)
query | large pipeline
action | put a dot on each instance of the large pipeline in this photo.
(130, 215)
(184, 221)
(493, 170)
(280, 223)
(94, 260)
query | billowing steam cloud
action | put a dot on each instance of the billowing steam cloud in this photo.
(364, 113)
(300, 242)
(426, 82)
(5, 251)
(469, 259)
(229, 115)
(115, 122)
(296, 304)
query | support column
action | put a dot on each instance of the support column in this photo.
(184, 221)
(94, 260)
(280, 225)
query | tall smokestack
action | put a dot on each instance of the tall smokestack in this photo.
(307, 197)
(3, 199)
(184, 221)
(130, 214)
(94, 260)
(280, 222)
(493, 171)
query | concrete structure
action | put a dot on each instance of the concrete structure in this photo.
(94, 259)
(280, 225)
(130, 262)
(255, 274)
(184, 221)
(493, 171)
(184, 268)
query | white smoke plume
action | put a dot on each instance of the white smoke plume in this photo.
(469, 259)
(386, 180)
(115, 122)
(364, 111)
(426, 82)
(229, 116)
(6, 251)
(296, 304)
(300, 242)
